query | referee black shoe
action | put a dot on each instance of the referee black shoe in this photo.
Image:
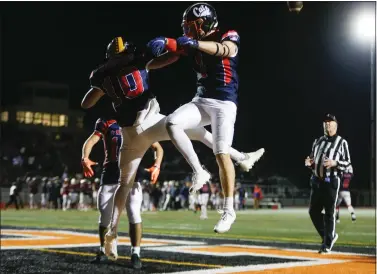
(325, 250)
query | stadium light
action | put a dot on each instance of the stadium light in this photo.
(364, 26)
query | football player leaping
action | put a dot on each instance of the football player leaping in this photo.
(109, 131)
(124, 78)
(345, 195)
(215, 57)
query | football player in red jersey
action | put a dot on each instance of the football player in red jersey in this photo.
(345, 195)
(215, 61)
(109, 131)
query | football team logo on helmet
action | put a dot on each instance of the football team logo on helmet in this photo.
(201, 11)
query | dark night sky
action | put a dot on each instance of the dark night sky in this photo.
(294, 68)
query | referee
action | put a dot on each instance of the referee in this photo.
(328, 159)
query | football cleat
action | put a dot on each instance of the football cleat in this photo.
(100, 257)
(199, 179)
(250, 160)
(111, 249)
(226, 221)
(135, 261)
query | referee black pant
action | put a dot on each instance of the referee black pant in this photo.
(323, 195)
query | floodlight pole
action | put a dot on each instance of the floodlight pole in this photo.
(372, 122)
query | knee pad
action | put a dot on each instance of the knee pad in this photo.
(133, 204)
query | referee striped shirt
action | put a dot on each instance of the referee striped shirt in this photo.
(332, 148)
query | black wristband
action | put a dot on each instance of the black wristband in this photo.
(217, 50)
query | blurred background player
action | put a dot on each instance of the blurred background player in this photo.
(184, 194)
(83, 198)
(44, 192)
(345, 195)
(124, 78)
(258, 196)
(12, 196)
(193, 201)
(239, 197)
(33, 190)
(65, 192)
(203, 198)
(109, 131)
(53, 187)
(215, 57)
(73, 193)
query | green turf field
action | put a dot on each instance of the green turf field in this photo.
(287, 225)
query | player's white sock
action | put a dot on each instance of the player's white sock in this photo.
(184, 145)
(351, 210)
(135, 250)
(228, 204)
(203, 209)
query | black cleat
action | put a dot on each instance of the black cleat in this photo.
(100, 257)
(135, 261)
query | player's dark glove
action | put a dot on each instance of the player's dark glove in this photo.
(186, 42)
(157, 46)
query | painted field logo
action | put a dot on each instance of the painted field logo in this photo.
(196, 257)
(309, 261)
(27, 239)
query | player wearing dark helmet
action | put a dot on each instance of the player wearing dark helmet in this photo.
(124, 78)
(215, 61)
(199, 20)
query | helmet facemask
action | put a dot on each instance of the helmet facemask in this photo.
(197, 29)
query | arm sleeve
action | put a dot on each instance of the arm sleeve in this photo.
(100, 128)
(232, 36)
(345, 158)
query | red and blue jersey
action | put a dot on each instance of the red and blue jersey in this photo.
(111, 135)
(125, 80)
(346, 178)
(205, 189)
(217, 77)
